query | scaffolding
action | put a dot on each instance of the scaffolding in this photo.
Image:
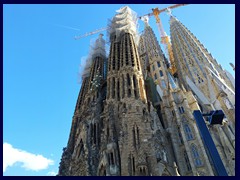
(125, 21)
(97, 49)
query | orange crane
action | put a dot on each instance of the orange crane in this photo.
(164, 38)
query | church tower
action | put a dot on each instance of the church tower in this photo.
(175, 106)
(200, 73)
(133, 118)
(81, 155)
(128, 134)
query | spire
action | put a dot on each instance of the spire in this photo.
(145, 19)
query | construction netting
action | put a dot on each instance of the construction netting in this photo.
(97, 49)
(125, 21)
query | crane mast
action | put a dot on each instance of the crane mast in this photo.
(164, 38)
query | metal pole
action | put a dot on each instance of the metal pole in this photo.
(208, 141)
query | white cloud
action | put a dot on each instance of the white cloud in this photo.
(29, 161)
(51, 173)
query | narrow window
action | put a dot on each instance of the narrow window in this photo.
(180, 136)
(138, 139)
(123, 87)
(113, 88)
(144, 171)
(133, 165)
(153, 67)
(189, 168)
(196, 156)
(158, 63)
(118, 90)
(94, 133)
(112, 158)
(155, 76)
(181, 110)
(129, 92)
(128, 80)
(188, 132)
(161, 73)
(134, 81)
(135, 86)
(134, 137)
(129, 85)
(130, 165)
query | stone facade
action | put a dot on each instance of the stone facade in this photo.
(133, 118)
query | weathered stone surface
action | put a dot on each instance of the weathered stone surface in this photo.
(123, 126)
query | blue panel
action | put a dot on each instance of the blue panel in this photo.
(217, 162)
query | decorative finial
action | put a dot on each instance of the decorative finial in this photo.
(145, 19)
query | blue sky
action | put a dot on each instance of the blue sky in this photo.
(41, 63)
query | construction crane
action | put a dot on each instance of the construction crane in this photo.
(90, 33)
(164, 38)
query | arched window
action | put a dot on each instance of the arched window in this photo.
(155, 76)
(196, 156)
(158, 63)
(188, 132)
(161, 73)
